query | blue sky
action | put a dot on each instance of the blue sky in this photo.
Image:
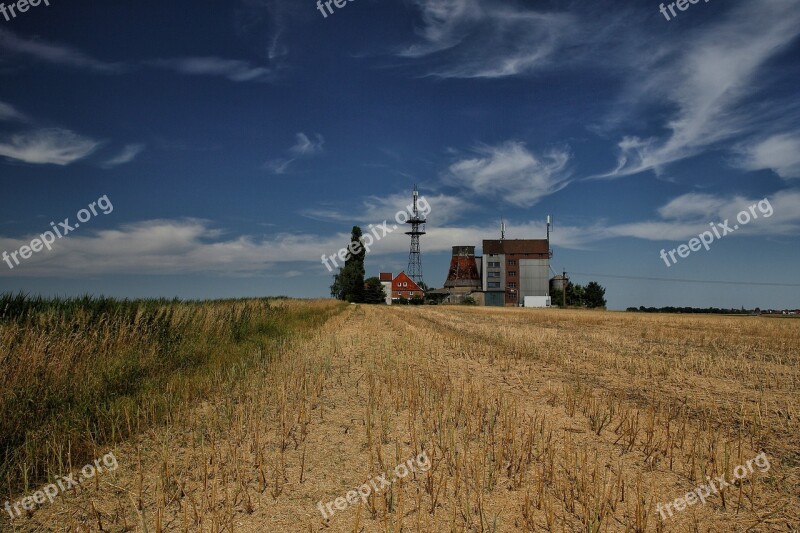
(239, 141)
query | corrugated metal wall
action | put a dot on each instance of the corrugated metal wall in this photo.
(534, 277)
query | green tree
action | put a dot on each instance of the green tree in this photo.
(348, 284)
(556, 299)
(594, 295)
(576, 295)
(374, 293)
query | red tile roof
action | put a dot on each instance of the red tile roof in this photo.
(402, 277)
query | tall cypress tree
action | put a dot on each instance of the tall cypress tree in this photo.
(348, 284)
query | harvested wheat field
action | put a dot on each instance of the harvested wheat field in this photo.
(481, 420)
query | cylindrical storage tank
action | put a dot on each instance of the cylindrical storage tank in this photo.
(557, 284)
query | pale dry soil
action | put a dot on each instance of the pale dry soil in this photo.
(533, 421)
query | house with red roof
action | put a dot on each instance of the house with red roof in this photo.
(404, 287)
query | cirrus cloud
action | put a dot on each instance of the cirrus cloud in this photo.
(472, 39)
(128, 154)
(511, 171)
(236, 70)
(52, 146)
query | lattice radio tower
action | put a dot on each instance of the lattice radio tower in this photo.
(414, 258)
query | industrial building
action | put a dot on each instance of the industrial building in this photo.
(511, 272)
(515, 270)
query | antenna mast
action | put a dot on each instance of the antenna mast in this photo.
(414, 257)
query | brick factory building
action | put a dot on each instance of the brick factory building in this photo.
(513, 269)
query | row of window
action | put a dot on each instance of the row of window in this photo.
(496, 264)
(511, 274)
(496, 285)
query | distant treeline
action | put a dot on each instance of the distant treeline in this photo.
(694, 310)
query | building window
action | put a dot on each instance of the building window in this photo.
(512, 262)
(512, 285)
(512, 296)
(493, 274)
(494, 264)
(494, 284)
(512, 274)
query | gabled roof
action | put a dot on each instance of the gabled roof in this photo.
(403, 277)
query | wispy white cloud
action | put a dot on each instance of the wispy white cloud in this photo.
(512, 172)
(233, 69)
(484, 39)
(690, 214)
(48, 146)
(168, 247)
(265, 25)
(779, 153)
(197, 246)
(704, 87)
(375, 209)
(278, 166)
(692, 206)
(10, 113)
(128, 154)
(303, 147)
(57, 54)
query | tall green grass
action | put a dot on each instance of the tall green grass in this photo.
(79, 373)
